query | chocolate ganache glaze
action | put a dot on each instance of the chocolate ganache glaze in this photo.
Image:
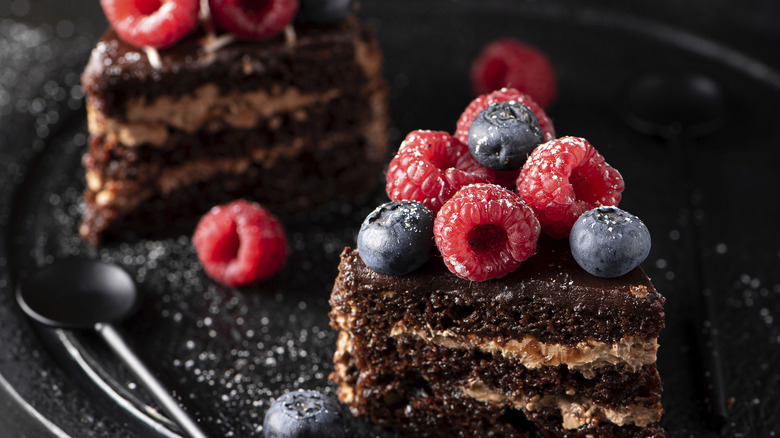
(584, 307)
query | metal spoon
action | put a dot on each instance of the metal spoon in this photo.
(79, 293)
(680, 106)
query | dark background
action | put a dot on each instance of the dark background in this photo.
(711, 205)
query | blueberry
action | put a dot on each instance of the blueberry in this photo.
(609, 242)
(323, 12)
(304, 414)
(503, 134)
(397, 237)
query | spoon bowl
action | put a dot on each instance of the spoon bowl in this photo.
(78, 293)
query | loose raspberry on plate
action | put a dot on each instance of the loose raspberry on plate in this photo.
(503, 95)
(430, 167)
(154, 23)
(239, 243)
(507, 62)
(564, 178)
(257, 19)
(485, 231)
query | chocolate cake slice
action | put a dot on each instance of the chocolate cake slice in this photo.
(547, 350)
(288, 122)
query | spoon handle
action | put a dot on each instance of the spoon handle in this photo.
(161, 394)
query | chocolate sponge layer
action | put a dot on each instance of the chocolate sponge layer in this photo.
(549, 297)
(390, 368)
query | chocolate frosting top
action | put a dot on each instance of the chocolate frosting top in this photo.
(118, 71)
(548, 296)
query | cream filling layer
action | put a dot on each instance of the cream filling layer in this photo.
(585, 356)
(148, 122)
(575, 411)
(123, 197)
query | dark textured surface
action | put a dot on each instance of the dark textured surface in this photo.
(232, 351)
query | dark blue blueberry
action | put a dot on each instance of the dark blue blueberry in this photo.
(323, 12)
(397, 237)
(609, 242)
(503, 134)
(304, 414)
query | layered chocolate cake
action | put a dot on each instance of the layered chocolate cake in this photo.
(290, 121)
(529, 314)
(547, 348)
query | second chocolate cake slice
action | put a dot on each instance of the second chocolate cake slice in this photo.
(546, 348)
(289, 122)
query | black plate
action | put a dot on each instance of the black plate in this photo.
(231, 351)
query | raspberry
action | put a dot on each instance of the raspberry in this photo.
(564, 178)
(253, 19)
(503, 95)
(485, 231)
(430, 167)
(507, 62)
(239, 243)
(155, 23)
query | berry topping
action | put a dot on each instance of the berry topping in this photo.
(503, 134)
(485, 231)
(507, 62)
(503, 95)
(609, 242)
(304, 414)
(260, 19)
(323, 12)
(397, 237)
(564, 178)
(154, 23)
(430, 167)
(240, 243)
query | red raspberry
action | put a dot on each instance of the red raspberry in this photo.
(485, 231)
(260, 19)
(155, 23)
(430, 167)
(507, 62)
(239, 243)
(564, 178)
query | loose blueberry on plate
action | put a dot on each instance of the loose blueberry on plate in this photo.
(304, 414)
(503, 134)
(323, 12)
(609, 242)
(397, 237)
